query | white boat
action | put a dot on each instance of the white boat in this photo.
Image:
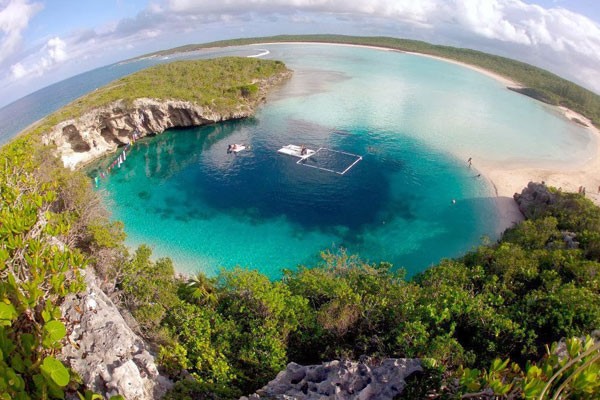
(237, 148)
(296, 151)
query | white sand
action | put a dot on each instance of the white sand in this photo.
(508, 179)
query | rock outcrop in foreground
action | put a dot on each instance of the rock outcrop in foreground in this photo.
(534, 199)
(110, 358)
(341, 380)
(102, 130)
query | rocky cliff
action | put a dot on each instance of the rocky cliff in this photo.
(534, 199)
(104, 129)
(110, 358)
(341, 380)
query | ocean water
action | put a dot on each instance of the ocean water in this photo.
(414, 121)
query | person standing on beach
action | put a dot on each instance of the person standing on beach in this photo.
(470, 161)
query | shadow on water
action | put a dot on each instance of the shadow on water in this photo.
(174, 150)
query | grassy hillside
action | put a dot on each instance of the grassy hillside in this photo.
(543, 85)
(221, 84)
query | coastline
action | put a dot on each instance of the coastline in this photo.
(508, 179)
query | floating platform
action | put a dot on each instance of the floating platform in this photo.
(324, 159)
(295, 151)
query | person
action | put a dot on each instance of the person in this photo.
(470, 161)
(229, 148)
(303, 150)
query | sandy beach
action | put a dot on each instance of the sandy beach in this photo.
(508, 179)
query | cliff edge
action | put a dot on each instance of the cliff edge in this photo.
(99, 130)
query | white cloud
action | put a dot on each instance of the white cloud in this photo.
(14, 19)
(18, 70)
(510, 21)
(553, 38)
(57, 49)
(52, 54)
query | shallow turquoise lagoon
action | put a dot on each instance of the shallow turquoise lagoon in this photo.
(413, 119)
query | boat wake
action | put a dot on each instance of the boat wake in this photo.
(264, 52)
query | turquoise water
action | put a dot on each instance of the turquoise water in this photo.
(183, 194)
(413, 119)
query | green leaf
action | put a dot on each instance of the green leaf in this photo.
(498, 365)
(533, 388)
(17, 363)
(7, 314)
(55, 371)
(499, 388)
(54, 331)
(46, 316)
(27, 343)
(533, 372)
(573, 347)
(3, 258)
(89, 395)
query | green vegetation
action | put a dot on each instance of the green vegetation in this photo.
(540, 84)
(235, 331)
(498, 302)
(223, 85)
(232, 333)
(39, 266)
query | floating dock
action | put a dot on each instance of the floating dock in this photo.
(328, 160)
(295, 151)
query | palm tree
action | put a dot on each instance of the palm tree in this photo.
(204, 291)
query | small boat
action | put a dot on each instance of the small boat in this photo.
(296, 151)
(237, 148)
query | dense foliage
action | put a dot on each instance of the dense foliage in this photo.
(540, 84)
(507, 300)
(38, 268)
(51, 225)
(235, 331)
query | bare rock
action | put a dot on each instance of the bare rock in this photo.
(110, 358)
(534, 199)
(102, 130)
(341, 380)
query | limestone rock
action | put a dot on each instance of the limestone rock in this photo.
(102, 130)
(340, 380)
(534, 199)
(110, 358)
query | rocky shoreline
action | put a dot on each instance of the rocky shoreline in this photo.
(103, 130)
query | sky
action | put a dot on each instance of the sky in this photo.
(45, 41)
